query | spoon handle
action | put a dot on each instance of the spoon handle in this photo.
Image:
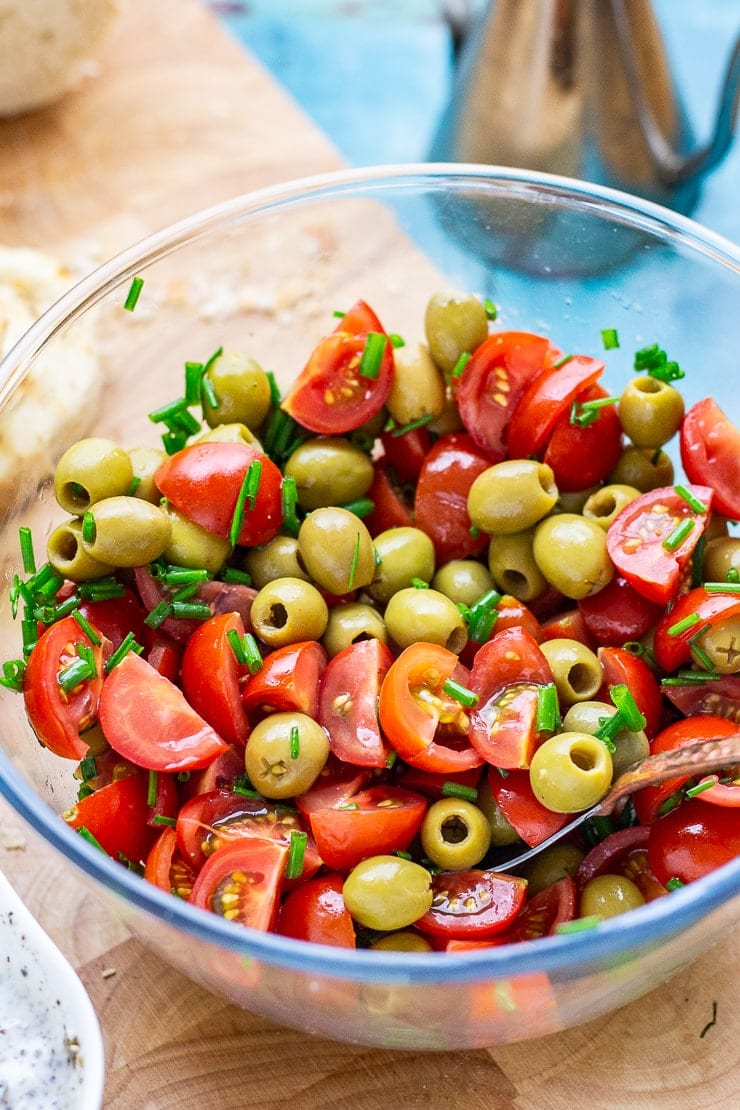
(698, 758)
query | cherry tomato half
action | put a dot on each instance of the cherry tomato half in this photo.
(348, 703)
(166, 868)
(545, 399)
(623, 852)
(116, 815)
(693, 840)
(581, 457)
(441, 502)
(288, 679)
(315, 911)
(675, 634)
(472, 904)
(377, 821)
(211, 674)
(542, 913)
(710, 453)
(515, 798)
(618, 613)
(241, 882)
(623, 668)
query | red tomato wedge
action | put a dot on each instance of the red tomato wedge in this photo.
(241, 882)
(146, 718)
(348, 703)
(441, 502)
(493, 381)
(424, 724)
(116, 815)
(316, 912)
(693, 840)
(334, 393)
(204, 481)
(710, 453)
(336, 786)
(166, 868)
(472, 904)
(703, 609)
(545, 399)
(390, 509)
(651, 540)
(542, 913)
(720, 697)
(288, 679)
(581, 457)
(621, 667)
(618, 613)
(211, 675)
(58, 716)
(377, 821)
(515, 798)
(405, 453)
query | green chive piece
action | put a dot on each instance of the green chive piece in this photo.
(391, 760)
(586, 413)
(459, 368)
(193, 378)
(362, 507)
(30, 635)
(88, 836)
(296, 854)
(419, 584)
(254, 477)
(158, 615)
(670, 803)
(253, 655)
(236, 577)
(705, 784)
(289, 496)
(578, 925)
(460, 693)
(237, 646)
(691, 678)
(295, 742)
(722, 587)
(396, 340)
(483, 616)
(162, 819)
(609, 338)
(135, 483)
(548, 710)
(182, 576)
(127, 644)
(701, 656)
(275, 395)
(457, 790)
(190, 610)
(26, 544)
(691, 499)
(353, 564)
(561, 362)
(151, 793)
(490, 307)
(654, 361)
(474, 531)
(103, 589)
(372, 354)
(733, 575)
(87, 628)
(79, 670)
(402, 854)
(88, 527)
(238, 517)
(622, 697)
(609, 727)
(339, 313)
(88, 768)
(683, 625)
(133, 294)
(420, 422)
(12, 676)
(674, 884)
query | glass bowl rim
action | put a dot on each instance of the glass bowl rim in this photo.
(646, 927)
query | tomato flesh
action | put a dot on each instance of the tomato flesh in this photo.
(710, 453)
(241, 882)
(472, 903)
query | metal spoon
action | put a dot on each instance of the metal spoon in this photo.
(701, 757)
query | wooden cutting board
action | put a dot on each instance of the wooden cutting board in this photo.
(179, 117)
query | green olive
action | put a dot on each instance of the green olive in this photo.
(721, 642)
(351, 622)
(285, 754)
(721, 556)
(145, 462)
(650, 411)
(606, 503)
(418, 388)
(455, 834)
(571, 553)
(69, 558)
(287, 611)
(229, 433)
(426, 615)
(336, 549)
(511, 496)
(717, 528)
(276, 559)
(91, 470)
(570, 772)
(329, 471)
(190, 545)
(241, 389)
(387, 892)
(463, 581)
(125, 531)
(512, 565)
(572, 501)
(502, 833)
(576, 669)
(449, 419)
(588, 716)
(402, 554)
(403, 941)
(610, 895)
(643, 468)
(455, 324)
(551, 865)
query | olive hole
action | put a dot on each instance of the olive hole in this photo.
(77, 495)
(605, 505)
(649, 385)
(514, 581)
(454, 830)
(278, 615)
(66, 546)
(583, 758)
(456, 640)
(581, 679)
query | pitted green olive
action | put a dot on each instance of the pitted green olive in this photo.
(610, 895)
(285, 754)
(455, 324)
(455, 834)
(241, 388)
(643, 468)
(502, 832)
(91, 470)
(329, 471)
(588, 716)
(276, 559)
(350, 623)
(721, 555)
(336, 549)
(570, 772)
(287, 611)
(604, 504)
(69, 558)
(387, 892)
(571, 553)
(577, 672)
(513, 568)
(463, 581)
(511, 496)
(721, 642)
(551, 865)
(190, 545)
(402, 554)
(418, 388)
(650, 411)
(403, 941)
(425, 615)
(125, 531)
(145, 462)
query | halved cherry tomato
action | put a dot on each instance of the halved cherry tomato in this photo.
(377, 821)
(568, 625)
(649, 801)
(692, 840)
(211, 676)
(493, 381)
(146, 718)
(710, 453)
(336, 786)
(424, 724)
(581, 457)
(623, 852)
(315, 911)
(433, 785)
(241, 882)
(441, 502)
(390, 509)
(203, 481)
(56, 715)
(348, 703)
(473, 904)
(507, 674)
(545, 399)
(288, 679)
(515, 798)
(623, 668)
(510, 613)
(672, 643)
(645, 546)
(115, 617)
(116, 815)
(542, 913)
(166, 868)
(166, 798)
(725, 794)
(720, 697)
(164, 654)
(405, 453)
(331, 394)
(618, 613)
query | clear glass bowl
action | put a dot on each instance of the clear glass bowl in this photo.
(263, 273)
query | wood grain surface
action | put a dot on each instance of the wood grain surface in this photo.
(177, 117)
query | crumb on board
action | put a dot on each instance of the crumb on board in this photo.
(12, 839)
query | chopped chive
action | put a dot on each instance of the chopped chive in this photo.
(12, 676)
(193, 377)
(248, 490)
(490, 307)
(174, 442)
(133, 294)
(353, 564)
(151, 792)
(419, 584)
(289, 496)
(295, 742)
(26, 544)
(85, 833)
(722, 587)
(578, 925)
(372, 354)
(236, 577)
(243, 787)
(391, 760)
(609, 727)
(474, 531)
(733, 575)
(88, 768)
(84, 791)
(654, 361)
(362, 507)
(459, 367)
(402, 854)
(69, 605)
(237, 646)
(162, 819)
(104, 589)
(30, 634)
(44, 583)
(582, 414)
(701, 656)
(190, 610)
(420, 422)
(396, 340)
(254, 477)
(504, 773)
(561, 362)
(634, 647)
(79, 670)
(158, 615)
(87, 628)
(691, 499)
(609, 338)
(296, 854)
(684, 625)
(457, 790)
(275, 395)
(705, 784)
(254, 659)
(691, 678)
(460, 693)
(88, 527)
(176, 416)
(339, 313)
(674, 883)
(622, 697)
(670, 803)
(127, 644)
(548, 710)
(173, 575)
(135, 483)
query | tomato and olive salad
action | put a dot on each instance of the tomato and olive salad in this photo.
(318, 656)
